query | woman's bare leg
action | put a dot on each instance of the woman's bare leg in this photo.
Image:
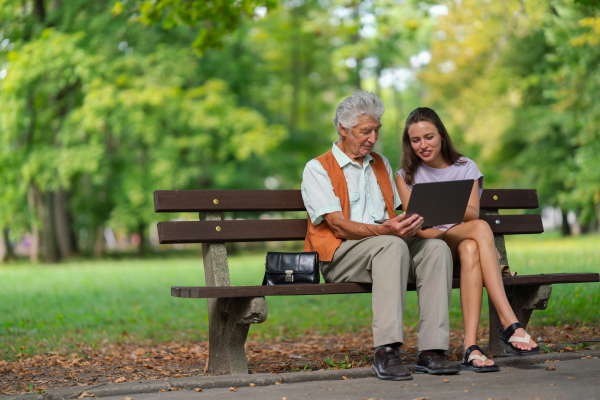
(480, 232)
(471, 293)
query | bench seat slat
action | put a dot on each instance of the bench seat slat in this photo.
(295, 229)
(291, 200)
(203, 292)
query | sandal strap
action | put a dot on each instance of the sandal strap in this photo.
(469, 350)
(520, 339)
(508, 332)
(474, 356)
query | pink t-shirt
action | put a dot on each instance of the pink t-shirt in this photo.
(455, 172)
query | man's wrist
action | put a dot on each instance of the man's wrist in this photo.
(384, 230)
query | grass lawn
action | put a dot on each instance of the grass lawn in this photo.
(47, 307)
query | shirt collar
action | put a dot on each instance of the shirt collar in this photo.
(343, 160)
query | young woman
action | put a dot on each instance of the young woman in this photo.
(428, 155)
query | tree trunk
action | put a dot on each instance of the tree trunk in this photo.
(99, 242)
(49, 243)
(6, 251)
(40, 10)
(34, 249)
(63, 229)
(566, 229)
(295, 70)
(143, 240)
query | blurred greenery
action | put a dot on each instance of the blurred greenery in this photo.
(87, 302)
(101, 103)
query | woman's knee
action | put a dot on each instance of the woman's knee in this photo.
(481, 229)
(468, 247)
(468, 251)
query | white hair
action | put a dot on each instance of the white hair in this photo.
(352, 107)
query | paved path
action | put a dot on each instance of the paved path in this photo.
(571, 379)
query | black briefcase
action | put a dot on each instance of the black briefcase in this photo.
(291, 268)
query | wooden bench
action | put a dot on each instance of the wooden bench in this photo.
(231, 310)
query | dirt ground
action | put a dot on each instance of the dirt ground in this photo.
(126, 362)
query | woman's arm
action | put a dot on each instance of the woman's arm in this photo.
(472, 212)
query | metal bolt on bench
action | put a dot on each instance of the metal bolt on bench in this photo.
(231, 310)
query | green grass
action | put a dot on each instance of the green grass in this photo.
(88, 302)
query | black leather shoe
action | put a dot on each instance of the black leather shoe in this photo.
(435, 362)
(388, 365)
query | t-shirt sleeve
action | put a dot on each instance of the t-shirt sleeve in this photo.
(317, 192)
(402, 175)
(472, 172)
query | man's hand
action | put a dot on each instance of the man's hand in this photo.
(404, 227)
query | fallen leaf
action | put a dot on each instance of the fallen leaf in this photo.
(472, 384)
(121, 379)
(328, 388)
(415, 384)
(283, 398)
(446, 380)
(467, 391)
(127, 369)
(86, 394)
(550, 368)
(233, 389)
(571, 377)
(278, 383)
(174, 389)
(198, 389)
(421, 398)
(588, 357)
(253, 384)
(553, 384)
(161, 391)
(127, 398)
(550, 361)
(344, 378)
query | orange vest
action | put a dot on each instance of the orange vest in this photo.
(320, 238)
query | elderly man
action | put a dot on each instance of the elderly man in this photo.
(345, 191)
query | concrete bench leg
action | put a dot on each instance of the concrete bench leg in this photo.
(229, 322)
(523, 300)
(229, 319)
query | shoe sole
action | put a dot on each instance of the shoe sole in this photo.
(487, 368)
(424, 370)
(390, 378)
(521, 353)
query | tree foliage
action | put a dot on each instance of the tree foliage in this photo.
(214, 19)
(103, 103)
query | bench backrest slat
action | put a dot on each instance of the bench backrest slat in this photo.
(291, 200)
(295, 229)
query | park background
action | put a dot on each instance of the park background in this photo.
(101, 103)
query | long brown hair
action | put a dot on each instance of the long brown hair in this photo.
(410, 161)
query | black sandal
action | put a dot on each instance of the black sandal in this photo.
(468, 365)
(507, 337)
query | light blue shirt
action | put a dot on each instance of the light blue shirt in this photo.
(366, 199)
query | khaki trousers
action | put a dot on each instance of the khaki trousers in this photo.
(389, 263)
